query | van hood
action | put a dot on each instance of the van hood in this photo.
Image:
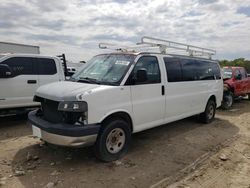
(64, 91)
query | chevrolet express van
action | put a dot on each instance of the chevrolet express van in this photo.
(118, 94)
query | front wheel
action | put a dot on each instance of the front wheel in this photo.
(228, 100)
(113, 140)
(208, 115)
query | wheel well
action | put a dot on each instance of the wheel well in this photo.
(123, 115)
(212, 98)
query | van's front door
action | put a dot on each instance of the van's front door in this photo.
(18, 90)
(147, 94)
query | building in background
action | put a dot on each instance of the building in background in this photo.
(8, 47)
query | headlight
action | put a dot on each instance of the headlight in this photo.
(73, 106)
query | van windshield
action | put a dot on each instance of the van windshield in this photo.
(227, 73)
(105, 69)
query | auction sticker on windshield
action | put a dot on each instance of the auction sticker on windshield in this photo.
(119, 62)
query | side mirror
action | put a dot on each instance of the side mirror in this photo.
(5, 71)
(141, 76)
(238, 77)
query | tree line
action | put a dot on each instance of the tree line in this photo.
(237, 62)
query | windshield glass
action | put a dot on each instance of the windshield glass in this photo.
(227, 73)
(105, 69)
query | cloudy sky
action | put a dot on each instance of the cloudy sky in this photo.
(75, 27)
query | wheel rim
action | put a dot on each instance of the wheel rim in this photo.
(210, 113)
(115, 140)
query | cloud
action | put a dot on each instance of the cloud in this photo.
(75, 27)
(49, 24)
(204, 2)
(67, 39)
(48, 5)
(244, 10)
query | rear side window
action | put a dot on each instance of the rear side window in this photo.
(174, 71)
(46, 66)
(216, 70)
(191, 70)
(188, 70)
(20, 65)
(205, 70)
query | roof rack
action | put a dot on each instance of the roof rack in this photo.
(148, 43)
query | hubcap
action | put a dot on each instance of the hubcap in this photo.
(210, 112)
(115, 140)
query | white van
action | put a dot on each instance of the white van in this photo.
(117, 94)
(21, 75)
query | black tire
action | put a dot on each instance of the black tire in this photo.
(228, 100)
(208, 115)
(103, 150)
(248, 96)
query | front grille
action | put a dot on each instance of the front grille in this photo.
(49, 112)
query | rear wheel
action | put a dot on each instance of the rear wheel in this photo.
(228, 100)
(208, 115)
(113, 140)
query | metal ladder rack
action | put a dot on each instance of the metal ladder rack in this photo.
(164, 46)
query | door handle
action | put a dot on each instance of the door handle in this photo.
(31, 81)
(162, 90)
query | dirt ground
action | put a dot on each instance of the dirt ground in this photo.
(181, 154)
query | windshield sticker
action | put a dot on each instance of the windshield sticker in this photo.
(119, 62)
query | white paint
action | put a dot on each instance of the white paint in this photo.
(6, 47)
(16, 92)
(145, 104)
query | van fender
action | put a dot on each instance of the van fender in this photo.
(116, 111)
(213, 97)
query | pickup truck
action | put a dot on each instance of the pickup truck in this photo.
(21, 75)
(236, 84)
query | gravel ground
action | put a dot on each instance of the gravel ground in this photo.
(179, 154)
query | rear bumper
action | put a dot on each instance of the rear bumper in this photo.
(63, 134)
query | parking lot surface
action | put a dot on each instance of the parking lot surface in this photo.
(157, 157)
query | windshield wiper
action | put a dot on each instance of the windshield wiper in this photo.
(88, 80)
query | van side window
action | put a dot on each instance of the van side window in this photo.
(200, 70)
(173, 68)
(150, 64)
(20, 65)
(216, 70)
(204, 70)
(46, 66)
(179, 69)
(188, 69)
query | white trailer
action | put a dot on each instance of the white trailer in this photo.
(7, 47)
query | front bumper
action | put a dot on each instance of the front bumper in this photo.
(63, 134)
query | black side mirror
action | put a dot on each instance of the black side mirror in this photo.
(238, 77)
(141, 76)
(5, 71)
